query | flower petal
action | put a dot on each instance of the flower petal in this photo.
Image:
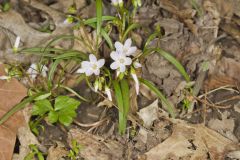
(118, 46)
(136, 82)
(137, 64)
(128, 61)
(122, 68)
(4, 77)
(128, 43)
(81, 70)
(85, 64)
(114, 55)
(100, 63)
(92, 58)
(131, 51)
(17, 42)
(115, 2)
(114, 65)
(96, 72)
(44, 70)
(88, 72)
(108, 93)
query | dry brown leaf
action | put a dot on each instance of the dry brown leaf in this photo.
(225, 73)
(225, 126)
(95, 147)
(57, 153)
(11, 93)
(26, 137)
(149, 114)
(192, 142)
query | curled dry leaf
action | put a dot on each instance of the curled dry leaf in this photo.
(192, 142)
(11, 93)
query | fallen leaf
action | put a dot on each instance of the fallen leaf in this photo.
(26, 137)
(96, 146)
(149, 114)
(234, 155)
(225, 126)
(11, 93)
(56, 153)
(190, 141)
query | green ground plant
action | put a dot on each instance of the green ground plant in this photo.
(109, 76)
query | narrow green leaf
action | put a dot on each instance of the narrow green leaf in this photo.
(166, 103)
(171, 59)
(44, 96)
(71, 54)
(74, 92)
(61, 37)
(52, 71)
(105, 36)
(150, 38)
(99, 16)
(125, 95)
(18, 107)
(130, 28)
(118, 94)
(94, 20)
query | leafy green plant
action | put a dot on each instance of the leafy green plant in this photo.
(34, 153)
(62, 111)
(111, 78)
(74, 151)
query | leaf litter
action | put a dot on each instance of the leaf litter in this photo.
(191, 37)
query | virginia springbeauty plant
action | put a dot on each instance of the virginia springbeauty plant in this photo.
(109, 62)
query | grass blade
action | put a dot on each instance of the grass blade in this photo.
(105, 36)
(74, 92)
(130, 28)
(99, 16)
(120, 104)
(52, 71)
(125, 95)
(152, 87)
(150, 38)
(94, 20)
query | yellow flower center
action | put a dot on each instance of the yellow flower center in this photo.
(121, 60)
(94, 66)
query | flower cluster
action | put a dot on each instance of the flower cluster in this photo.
(122, 58)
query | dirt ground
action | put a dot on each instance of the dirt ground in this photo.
(204, 35)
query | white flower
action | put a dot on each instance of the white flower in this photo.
(92, 66)
(16, 44)
(4, 77)
(126, 47)
(135, 78)
(121, 61)
(136, 64)
(117, 2)
(34, 70)
(108, 93)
